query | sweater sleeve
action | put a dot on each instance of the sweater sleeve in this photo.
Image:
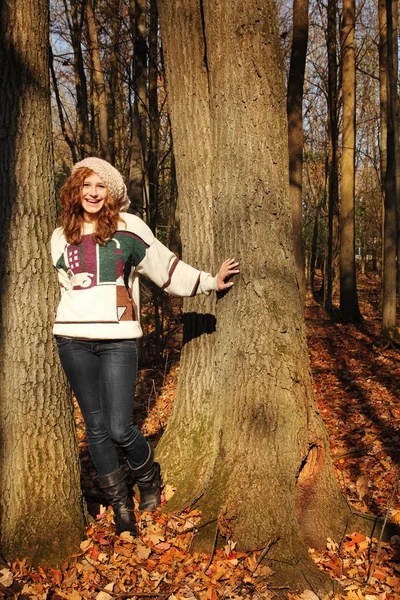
(173, 275)
(57, 251)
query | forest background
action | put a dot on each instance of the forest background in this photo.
(109, 98)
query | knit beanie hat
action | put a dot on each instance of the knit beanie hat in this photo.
(109, 175)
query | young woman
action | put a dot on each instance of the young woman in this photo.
(99, 251)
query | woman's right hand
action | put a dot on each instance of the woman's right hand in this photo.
(227, 269)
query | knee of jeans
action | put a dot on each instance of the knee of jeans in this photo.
(96, 430)
(124, 436)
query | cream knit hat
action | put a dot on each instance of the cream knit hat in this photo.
(109, 175)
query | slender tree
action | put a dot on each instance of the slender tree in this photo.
(138, 191)
(333, 133)
(99, 80)
(40, 500)
(389, 328)
(348, 288)
(74, 15)
(295, 131)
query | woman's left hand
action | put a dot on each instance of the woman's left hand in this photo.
(228, 268)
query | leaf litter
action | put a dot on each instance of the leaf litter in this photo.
(356, 386)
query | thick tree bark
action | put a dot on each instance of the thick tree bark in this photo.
(245, 433)
(99, 81)
(348, 287)
(295, 132)
(40, 501)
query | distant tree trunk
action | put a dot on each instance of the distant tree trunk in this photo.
(154, 121)
(115, 103)
(245, 433)
(75, 23)
(67, 138)
(320, 203)
(333, 145)
(40, 498)
(295, 131)
(99, 81)
(395, 38)
(138, 158)
(389, 329)
(348, 287)
(383, 89)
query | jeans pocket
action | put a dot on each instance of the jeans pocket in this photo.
(63, 342)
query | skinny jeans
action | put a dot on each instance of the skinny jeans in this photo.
(102, 374)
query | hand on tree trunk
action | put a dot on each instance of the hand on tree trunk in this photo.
(227, 269)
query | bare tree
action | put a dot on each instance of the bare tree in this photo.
(295, 131)
(348, 288)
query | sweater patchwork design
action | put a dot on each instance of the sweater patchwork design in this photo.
(100, 285)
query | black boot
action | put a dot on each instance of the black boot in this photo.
(148, 478)
(115, 491)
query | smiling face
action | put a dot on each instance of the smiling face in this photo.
(94, 195)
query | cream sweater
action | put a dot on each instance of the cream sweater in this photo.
(100, 286)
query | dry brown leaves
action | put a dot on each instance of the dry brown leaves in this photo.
(155, 564)
(356, 385)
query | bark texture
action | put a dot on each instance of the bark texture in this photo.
(41, 514)
(348, 288)
(245, 434)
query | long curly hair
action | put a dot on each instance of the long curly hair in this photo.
(72, 216)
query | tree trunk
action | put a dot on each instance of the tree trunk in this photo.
(75, 23)
(116, 103)
(348, 287)
(333, 145)
(245, 434)
(295, 132)
(138, 160)
(40, 500)
(389, 329)
(154, 121)
(63, 126)
(99, 81)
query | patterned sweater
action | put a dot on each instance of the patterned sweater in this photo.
(100, 286)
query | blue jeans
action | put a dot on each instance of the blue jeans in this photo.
(102, 374)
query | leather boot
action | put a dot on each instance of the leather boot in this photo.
(148, 479)
(115, 490)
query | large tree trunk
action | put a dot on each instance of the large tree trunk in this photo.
(40, 499)
(295, 132)
(348, 288)
(245, 432)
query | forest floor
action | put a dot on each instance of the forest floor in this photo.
(356, 380)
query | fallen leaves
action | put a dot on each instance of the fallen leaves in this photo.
(357, 391)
